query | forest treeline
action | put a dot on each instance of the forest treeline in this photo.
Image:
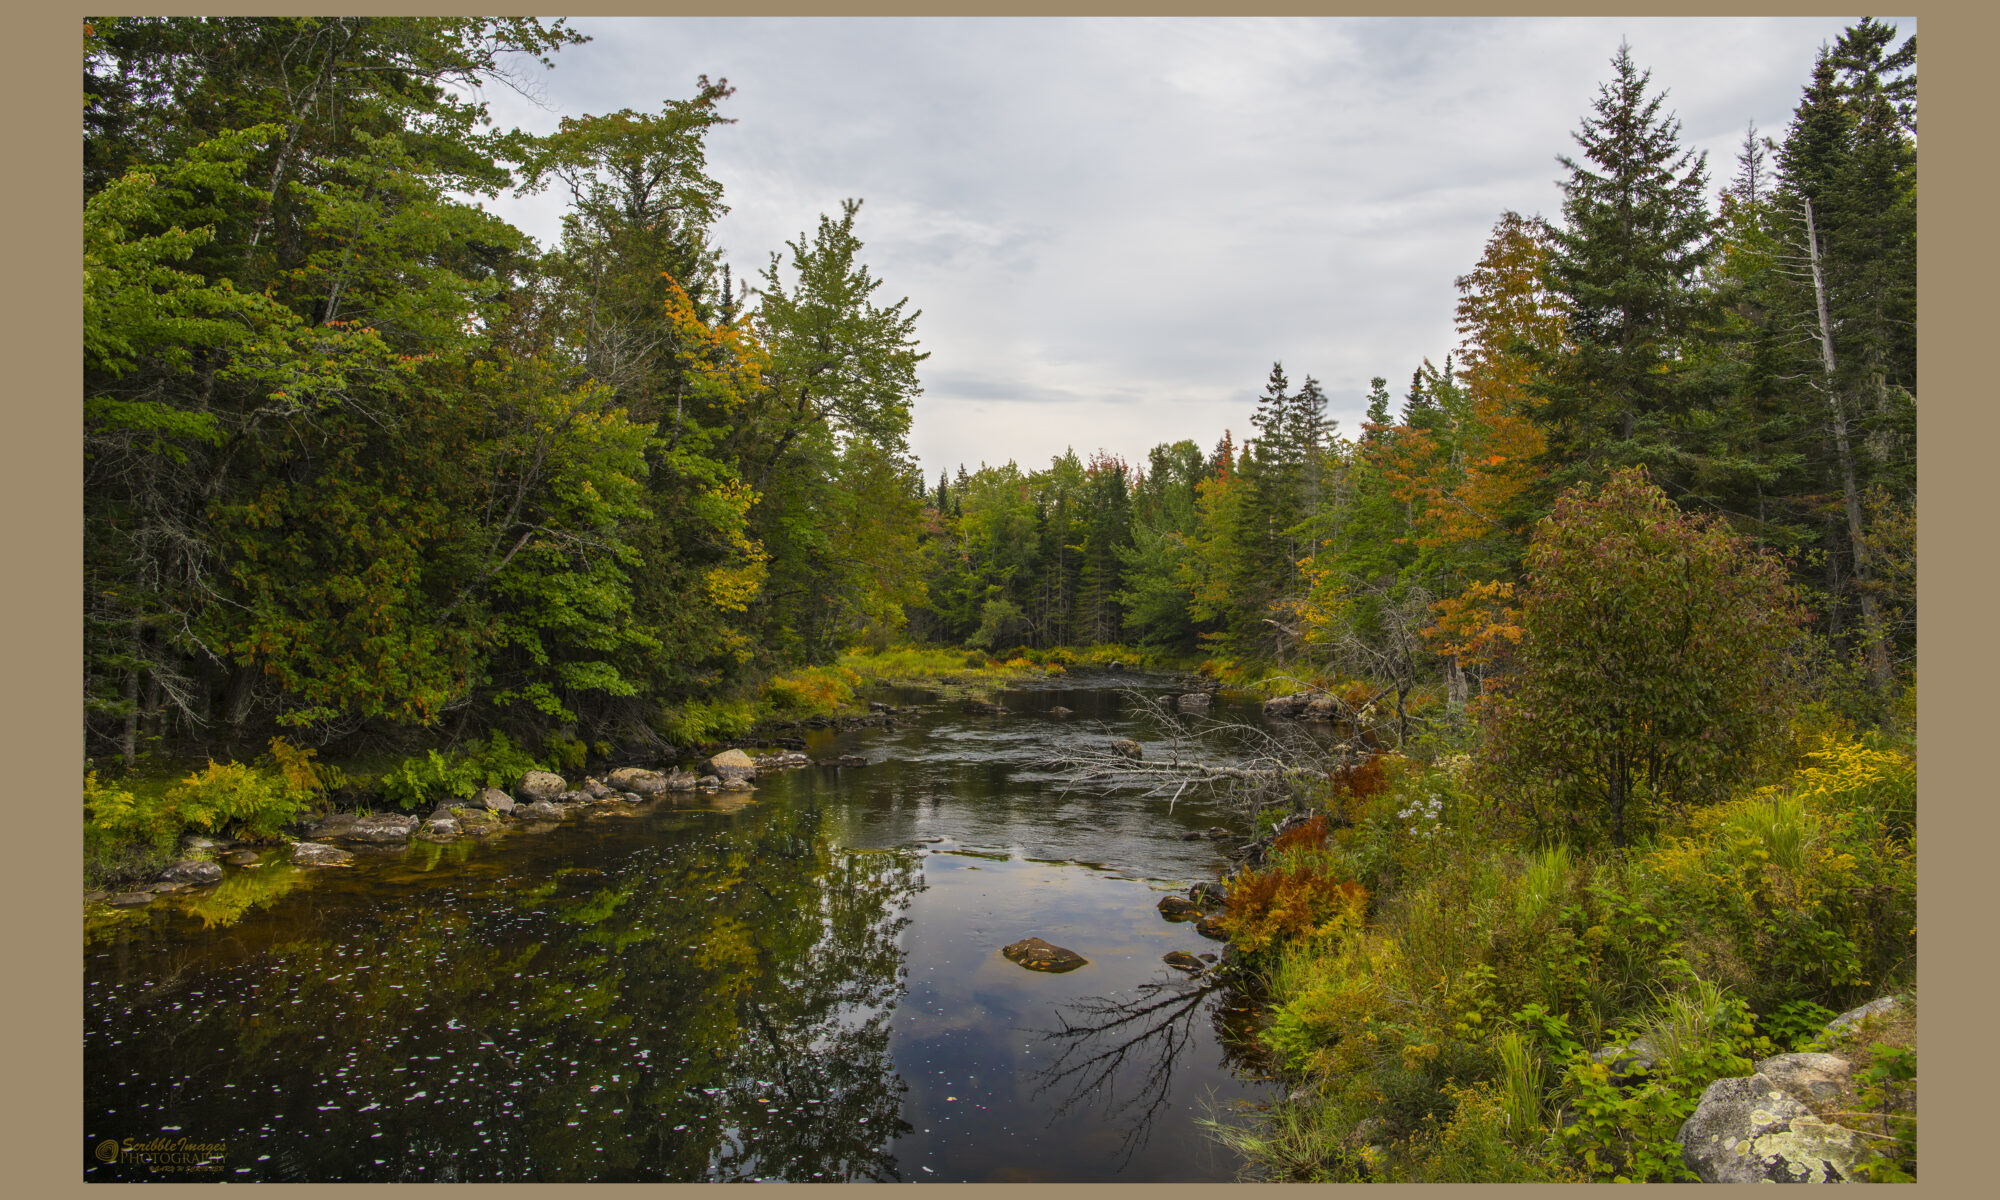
(362, 458)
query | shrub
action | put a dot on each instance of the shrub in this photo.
(1264, 908)
(236, 798)
(420, 781)
(1648, 666)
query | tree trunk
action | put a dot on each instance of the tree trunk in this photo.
(1454, 677)
(1871, 625)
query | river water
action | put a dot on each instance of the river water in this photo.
(803, 985)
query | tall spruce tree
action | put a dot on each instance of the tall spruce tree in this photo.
(1626, 264)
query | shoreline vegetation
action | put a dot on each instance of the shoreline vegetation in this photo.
(386, 504)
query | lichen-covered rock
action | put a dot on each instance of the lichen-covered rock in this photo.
(1038, 955)
(1808, 1078)
(491, 800)
(1749, 1130)
(730, 764)
(1127, 748)
(191, 870)
(1178, 908)
(540, 785)
(318, 854)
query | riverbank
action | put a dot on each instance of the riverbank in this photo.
(1454, 1002)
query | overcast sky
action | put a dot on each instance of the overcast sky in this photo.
(1114, 226)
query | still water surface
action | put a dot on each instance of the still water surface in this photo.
(804, 986)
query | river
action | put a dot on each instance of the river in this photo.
(803, 985)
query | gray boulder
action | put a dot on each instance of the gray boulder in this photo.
(1194, 702)
(334, 825)
(191, 870)
(318, 854)
(1748, 1130)
(1811, 1079)
(1286, 707)
(381, 829)
(681, 781)
(545, 809)
(540, 785)
(438, 829)
(730, 764)
(491, 800)
(1882, 1008)
(130, 899)
(637, 779)
(596, 788)
(1127, 748)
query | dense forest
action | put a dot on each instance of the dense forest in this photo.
(362, 459)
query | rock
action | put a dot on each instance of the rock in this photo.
(1883, 1007)
(1287, 707)
(782, 760)
(1747, 1130)
(708, 783)
(1193, 702)
(318, 854)
(241, 858)
(576, 797)
(596, 789)
(333, 825)
(167, 889)
(1211, 928)
(1206, 957)
(984, 709)
(1207, 896)
(1127, 748)
(1635, 1059)
(1808, 1078)
(1038, 955)
(876, 706)
(203, 844)
(631, 797)
(130, 899)
(1178, 908)
(1371, 1129)
(680, 781)
(540, 785)
(477, 822)
(1217, 833)
(1060, 711)
(1114, 665)
(730, 764)
(736, 783)
(1194, 835)
(94, 895)
(438, 829)
(1322, 708)
(491, 800)
(1181, 960)
(640, 780)
(191, 870)
(381, 829)
(545, 809)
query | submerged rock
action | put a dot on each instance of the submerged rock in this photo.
(1038, 955)
(1211, 928)
(1181, 960)
(241, 858)
(1060, 711)
(1127, 748)
(844, 760)
(130, 899)
(438, 829)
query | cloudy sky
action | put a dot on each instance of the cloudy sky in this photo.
(1114, 226)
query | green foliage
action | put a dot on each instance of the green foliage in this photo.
(1888, 1088)
(1647, 670)
(429, 778)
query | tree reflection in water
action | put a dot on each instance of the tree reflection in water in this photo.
(1118, 1055)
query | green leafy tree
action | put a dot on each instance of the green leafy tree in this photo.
(1648, 666)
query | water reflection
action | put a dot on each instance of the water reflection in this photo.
(677, 1014)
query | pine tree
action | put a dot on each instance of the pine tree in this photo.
(1626, 265)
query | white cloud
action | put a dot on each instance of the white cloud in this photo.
(1113, 226)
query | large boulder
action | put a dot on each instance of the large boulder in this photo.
(730, 765)
(1811, 1079)
(1038, 955)
(492, 800)
(318, 854)
(637, 779)
(540, 785)
(1748, 1130)
(191, 870)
